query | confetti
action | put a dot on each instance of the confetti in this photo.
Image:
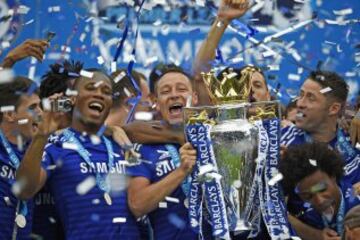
(325, 90)
(343, 12)
(70, 146)
(7, 201)
(162, 204)
(107, 198)
(51, 167)
(86, 74)
(52, 220)
(357, 146)
(100, 60)
(278, 177)
(113, 66)
(171, 199)
(54, 9)
(86, 185)
(143, 116)
(294, 77)
(273, 67)
(119, 220)
(313, 162)
(120, 76)
(95, 201)
(23, 9)
(70, 92)
(7, 108)
(98, 84)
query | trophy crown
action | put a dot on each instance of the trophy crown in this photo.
(233, 87)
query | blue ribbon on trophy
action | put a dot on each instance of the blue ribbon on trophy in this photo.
(206, 175)
(235, 188)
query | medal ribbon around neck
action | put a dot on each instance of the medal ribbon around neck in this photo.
(85, 155)
(15, 162)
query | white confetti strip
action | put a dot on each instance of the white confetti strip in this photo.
(294, 77)
(95, 201)
(71, 146)
(143, 116)
(52, 220)
(113, 67)
(274, 67)
(288, 30)
(343, 12)
(171, 199)
(7, 201)
(325, 90)
(278, 177)
(162, 204)
(5, 44)
(98, 84)
(357, 146)
(120, 76)
(7, 108)
(86, 185)
(100, 60)
(119, 220)
(23, 9)
(51, 167)
(237, 60)
(70, 92)
(82, 37)
(86, 74)
(54, 9)
(313, 162)
(127, 92)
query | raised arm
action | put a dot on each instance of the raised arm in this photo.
(143, 197)
(30, 174)
(29, 48)
(228, 10)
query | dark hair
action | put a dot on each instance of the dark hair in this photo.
(93, 70)
(296, 163)
(160, 70)
(119, 92)
(339, 88)
(59, 77)
(11, 92)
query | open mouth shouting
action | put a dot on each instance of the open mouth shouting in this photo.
(175, 111)
(96, 108)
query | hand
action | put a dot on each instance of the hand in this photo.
(188, 157)
(355, 131)
(119, 135)
(50, 121)
(356, 188)
(329, 234)
(31, 47)
(231, 9)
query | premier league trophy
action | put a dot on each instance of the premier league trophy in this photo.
(229, 185)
